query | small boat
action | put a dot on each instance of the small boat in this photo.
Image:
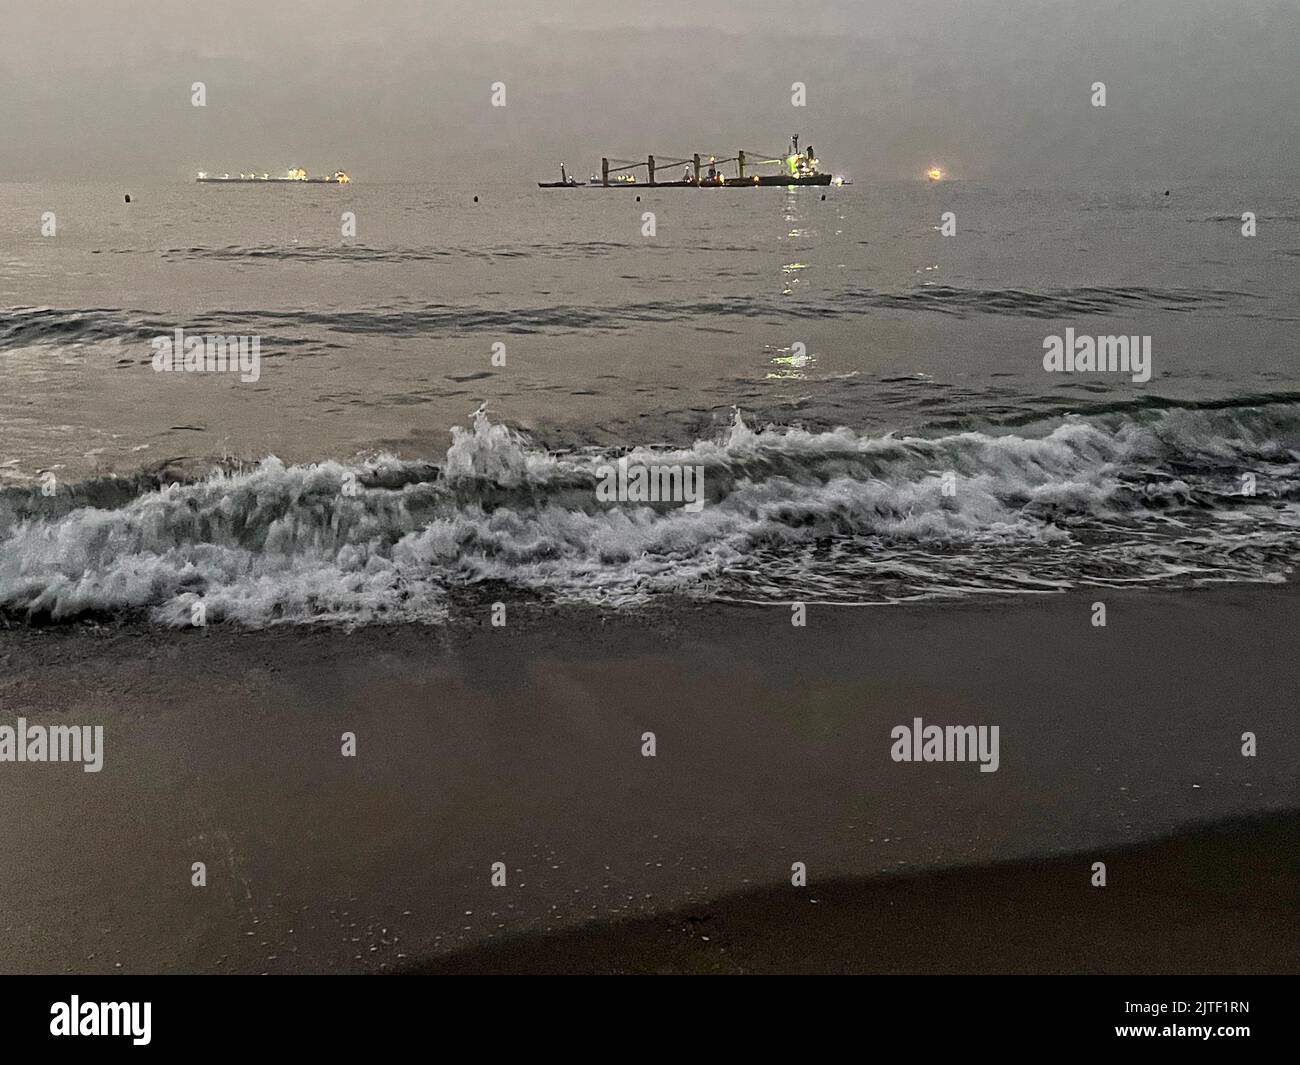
(565, 181)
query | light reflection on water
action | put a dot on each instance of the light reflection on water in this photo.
(386, 339)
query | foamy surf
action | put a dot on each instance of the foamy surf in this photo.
(1177, 495)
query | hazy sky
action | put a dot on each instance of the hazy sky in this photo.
(992, 89)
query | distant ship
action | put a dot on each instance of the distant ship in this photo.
(294, 176)
(794, 167)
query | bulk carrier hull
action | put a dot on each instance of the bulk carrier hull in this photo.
(761, 181)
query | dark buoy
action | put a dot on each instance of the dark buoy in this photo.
(638, 199)
(823, 195)
(476, 199)
(128, 197)
(1166, 192)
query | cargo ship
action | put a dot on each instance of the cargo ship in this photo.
(296, 176)
(794, 167)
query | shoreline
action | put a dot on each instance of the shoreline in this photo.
(1222, 898)
(523, 745)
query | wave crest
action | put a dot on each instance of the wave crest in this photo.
(1122, 497)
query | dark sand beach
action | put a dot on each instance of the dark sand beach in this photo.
(1220, 899)
(523, 745)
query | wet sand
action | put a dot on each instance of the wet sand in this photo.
(1222, 899)
(523, 744)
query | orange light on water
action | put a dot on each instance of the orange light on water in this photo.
(934, 174)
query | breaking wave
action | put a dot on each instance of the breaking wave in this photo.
(1122, 497)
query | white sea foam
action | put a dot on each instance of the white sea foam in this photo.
(790, 513)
